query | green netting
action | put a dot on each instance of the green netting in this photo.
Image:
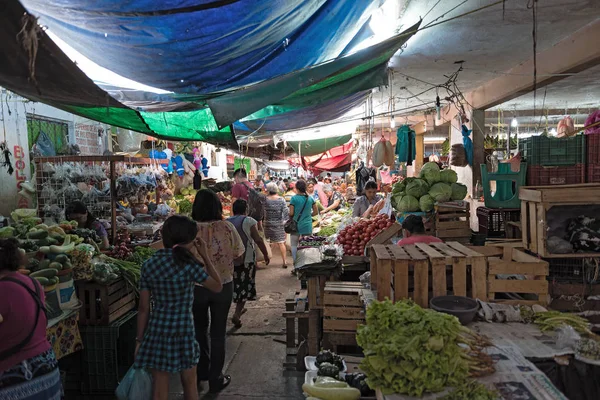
(122, 117)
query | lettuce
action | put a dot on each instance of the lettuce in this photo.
(441, 192)
(430, 172)
(459, 191)
(426, 203)
(408, 203)
(417, 188)
(448, 176)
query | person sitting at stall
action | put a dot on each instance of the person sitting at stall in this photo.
(334, 199)
(28, 365)
(365, 204)
(413, 231)
(77, 211)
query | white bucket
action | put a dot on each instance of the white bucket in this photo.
(66, 295)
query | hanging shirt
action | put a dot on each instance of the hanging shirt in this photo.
(406, 144)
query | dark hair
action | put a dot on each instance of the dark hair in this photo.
(371, 185)
(77, 207)
(285, 180)
(413, 224)
(301, 186)
(207, 207)
(240, 172)
(9, 254)
(239, 207)
(320, 178)
(312, 181)
(177, 230)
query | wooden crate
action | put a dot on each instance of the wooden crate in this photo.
(535, 203)
(103, 304)
(515, 261)
(428, 267)
(316, 288)
(452, 222)
(296, 330)
(343, 312)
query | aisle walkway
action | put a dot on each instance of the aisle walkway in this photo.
(255, 352)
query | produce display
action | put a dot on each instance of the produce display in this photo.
(589, 348)
(411, 350)
(433, 185)
(472, 390)
(329, 357)
(358, 380)
(355, 237)
(326, 390)
(311, 241)
(550, 320)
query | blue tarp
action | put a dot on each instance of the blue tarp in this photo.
(203, 46)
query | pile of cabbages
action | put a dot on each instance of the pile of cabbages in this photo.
(432, 186)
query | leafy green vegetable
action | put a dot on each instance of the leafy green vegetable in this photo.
(417, 188)
(459, 191)
(408, 203)
(426, 203)
(185, 207)
(448, 176)
(471, 390)
(328, 230)
(430, 172)
(411, 350)
(441, 192)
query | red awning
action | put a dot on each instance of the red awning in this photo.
(337, 159)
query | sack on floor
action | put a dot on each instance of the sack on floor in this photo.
(259, 255)
(136, 385)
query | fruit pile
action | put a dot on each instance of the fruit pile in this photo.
(355, 237)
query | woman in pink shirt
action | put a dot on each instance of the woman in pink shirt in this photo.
(28, 367)
(413, 232)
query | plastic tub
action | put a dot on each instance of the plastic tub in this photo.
(461, 307)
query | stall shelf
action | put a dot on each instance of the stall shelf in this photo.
(104, 204)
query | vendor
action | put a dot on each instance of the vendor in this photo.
(77, 211)
(28, 366)
(334, 199)
(413, 231)
(364, 205)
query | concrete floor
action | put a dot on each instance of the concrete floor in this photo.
(255, 352)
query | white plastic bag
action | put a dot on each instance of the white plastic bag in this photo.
(136, 385)
(387, 206)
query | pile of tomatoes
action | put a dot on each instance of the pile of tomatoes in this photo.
(354, 237)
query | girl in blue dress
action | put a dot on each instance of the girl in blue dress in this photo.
(166, 340)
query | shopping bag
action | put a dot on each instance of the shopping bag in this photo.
(136, 385)
(387, 206)
(259, 255)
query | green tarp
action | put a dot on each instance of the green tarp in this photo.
(318, 146)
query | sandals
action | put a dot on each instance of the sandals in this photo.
(222, 383)
(237, 323)
(284, 266)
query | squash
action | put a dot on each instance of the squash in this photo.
(379, 152)
(390, 156)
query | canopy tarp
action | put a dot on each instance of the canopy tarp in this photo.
(337, 159)
(205, 46)
(307, 148)
(50, 77)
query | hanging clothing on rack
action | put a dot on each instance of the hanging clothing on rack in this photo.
(363, 175)
(406, 144)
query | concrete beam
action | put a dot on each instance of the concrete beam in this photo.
(575, 53)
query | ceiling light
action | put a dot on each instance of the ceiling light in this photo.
(514, 123)
(392, 122)
(431, 139)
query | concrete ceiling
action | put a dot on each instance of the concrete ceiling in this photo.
(489, 44)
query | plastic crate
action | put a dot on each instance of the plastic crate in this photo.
(492, 220)
(574, 270)
(107, 354)
(550, 151)
(558, 175)
(593, 158)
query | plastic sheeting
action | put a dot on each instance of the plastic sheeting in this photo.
(204, 46)
(318, 146)
(336, 159)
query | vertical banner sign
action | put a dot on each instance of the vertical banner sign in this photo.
(20, 174)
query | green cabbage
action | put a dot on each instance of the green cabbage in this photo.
(448, 176)
(396, 198)
(430, 172)
(399, 188)
(408, 203)
(441, 192)
(426, 203)
(459, 191)
(417, 188)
